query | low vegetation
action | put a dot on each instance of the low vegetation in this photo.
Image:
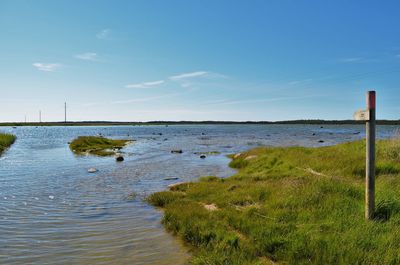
(291, 206)
(96, 145)
(5, 141)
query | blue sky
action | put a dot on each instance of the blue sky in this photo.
(198, 60)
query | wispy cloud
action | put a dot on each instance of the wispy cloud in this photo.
(188, 79)
(188, 75)
(298, 82)
(258, 100)
(184, 80)
(47, 67)
(351, 60)
(103, 34)
(373, 59)
(88, 56)
(146, 84)
(146, 99)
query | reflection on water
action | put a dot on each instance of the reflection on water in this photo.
(52, 211)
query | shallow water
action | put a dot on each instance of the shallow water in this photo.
(52, 211)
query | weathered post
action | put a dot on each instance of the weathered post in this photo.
(369, 116)
(370, 157)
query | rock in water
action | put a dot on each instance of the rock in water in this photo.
(202, 156)
(92, 170)
(119, 158)
(179, 151)
(171, 178)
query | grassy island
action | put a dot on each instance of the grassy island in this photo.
(291, 205)
(5, 141)
(96, 145)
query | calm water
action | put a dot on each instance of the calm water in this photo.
(53, 212)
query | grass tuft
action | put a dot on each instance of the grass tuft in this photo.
(94, 145)
(6, 140)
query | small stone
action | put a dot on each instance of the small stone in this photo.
(211, 207)
(250, 157)
(119, 158)
(237, 155)
(321, 141)
(202, 156)
(92, 170)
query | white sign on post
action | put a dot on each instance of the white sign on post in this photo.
(361, 115)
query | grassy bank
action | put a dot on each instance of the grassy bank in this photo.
(5, 141)
(96, 145)
(291, 206)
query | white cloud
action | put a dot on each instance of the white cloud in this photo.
(188, 75)
(146, 84)
(103, 34)
(250, 101)
(298, 82)
(358, 60)
(146, 99)
(88, 56)
(47, 67)
(351, 60)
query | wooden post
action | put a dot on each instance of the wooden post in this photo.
(370, 157)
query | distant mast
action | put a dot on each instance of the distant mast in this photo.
(65, 112)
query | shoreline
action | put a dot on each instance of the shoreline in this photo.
(167, 123)
(287, 205)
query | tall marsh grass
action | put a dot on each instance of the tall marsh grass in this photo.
(5, 141)
(291, 205)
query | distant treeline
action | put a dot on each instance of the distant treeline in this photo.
(108, 123)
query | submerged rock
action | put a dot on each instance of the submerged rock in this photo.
(177, 151)
(171, 178)
(92, 170)
(131, 196)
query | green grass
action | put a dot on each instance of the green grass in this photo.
(94, 145)
(6, 140)
(291, 206)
